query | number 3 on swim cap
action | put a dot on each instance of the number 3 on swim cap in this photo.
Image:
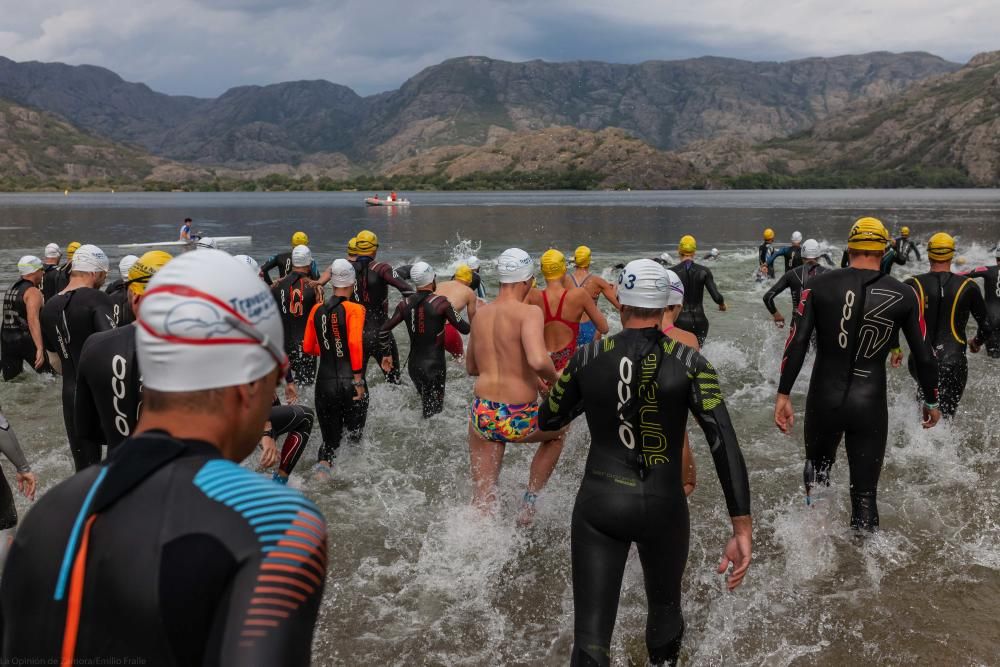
(631, 280)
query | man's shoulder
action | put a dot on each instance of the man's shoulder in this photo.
(107, 342)
(255, 497)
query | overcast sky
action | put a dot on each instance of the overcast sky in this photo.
(203, 47)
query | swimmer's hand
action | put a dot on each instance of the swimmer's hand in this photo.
(896, 358)
(931, 417)
(386, 364)
(738, 551)
(779, 319)
(291, 394)
(40, 359)
(784, 414)
(722, 307)
(26, 484)
(269, 456)
(359, 386)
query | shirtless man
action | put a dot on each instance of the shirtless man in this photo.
(595, 286)
(459, 292)
(507, 356)
(563, 309)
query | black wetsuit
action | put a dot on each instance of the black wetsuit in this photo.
(12, 450)
(295, 301)
(403, 272)
(991, 292)
(16, 343)
(168, 555)
(67, 321)
(477, 285)
(696, 279)
(425, 314)
(118, 291)
(794, 280)
(906, 247)
(792, 255)
(108, 391)
(335, 334)
(764, 252)
(372, 292)
(295, 422)
(632, 490)
(857, 316)
(55, 280)
(949, 299)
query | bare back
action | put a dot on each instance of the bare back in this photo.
(459, 295)
(504, 334)
(576, 306)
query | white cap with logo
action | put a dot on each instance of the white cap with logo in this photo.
(206, 242)
(676, 295)
(90, 259)
(342, 273)
(301, 256)
(796, 237)
(248, 260)
(515, 266)
(207, 321)
(28, 264)
(52, 251)
(422, 274)
(643, 283)
(810, 249)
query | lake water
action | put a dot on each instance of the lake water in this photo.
(417, 578)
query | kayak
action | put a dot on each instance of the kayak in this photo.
(371, 201)
(221, 240)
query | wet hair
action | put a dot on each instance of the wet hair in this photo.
(866, 253)
(203, 401)
(188, 220)
(629, 312)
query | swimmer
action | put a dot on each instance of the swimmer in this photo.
(108, 380)
(335, 334)
(764, 252)
(118, 291)
(791, 253)
(508, 358)
(948, 300)
(477, 285)
(21, 331)
(68, 319)
(562, 323)
(295, 423)
(857, 315)
(283, 261)
(991, 284)
(296, 296)
(637, 393)
(795, 280)
(55, 281)
(595, 286)
(712, 255)
(192, 558)
(906, 246)
(463, 299)
(426, 314)
(26, 484)
(51, 257)
(696, 279)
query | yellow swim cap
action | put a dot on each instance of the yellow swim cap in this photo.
(687, 246)
(71, 250)
(768, 234)
(352, 247)
(905, 231)
(868, 234)
(553, 265)
(582, 257)
(299, 238)
(145, 268)
(463, 274)
(366, 243)
(941, 247)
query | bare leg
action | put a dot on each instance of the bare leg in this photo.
(485, 459)
(542, 467)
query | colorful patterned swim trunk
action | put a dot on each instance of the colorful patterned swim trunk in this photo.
(588, 330)
(500, 422)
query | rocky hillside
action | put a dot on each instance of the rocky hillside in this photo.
(947, 126)
(668, 104)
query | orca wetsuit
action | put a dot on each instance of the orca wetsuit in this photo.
(637, 389)
(295, 301)
(372, 291)
(68, 319)
(857, 315)
(425, 314)
(166, 554)
(991, 291)
(794, 280)
(335, 334)
(108, 391)
(16, 344)
(948, 300)
(696, 279)
(118, 291)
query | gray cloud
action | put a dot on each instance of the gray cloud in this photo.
(203, 47)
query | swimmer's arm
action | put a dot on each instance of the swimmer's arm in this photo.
(11, 448)
(33, 303)
(826, 257)
(385, 333)
(776, 254)
(705, 401)
(689, 473)
(797, 344)
(775, 290)
(471, 303)
(356, 314)
(977, 306)
(915, 249)
(310, 344)
(565, 401)
(389, 275)
(713, 291)
(845, 260)
(104, 313)
(86, 419)
(593, 312)
(913, 329)
(534, 346)
(470, 357)
(452, 317)
(609, 293)
(265, 269)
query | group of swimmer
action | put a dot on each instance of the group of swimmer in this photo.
(176, 370)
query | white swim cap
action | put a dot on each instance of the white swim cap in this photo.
(666, 257)
(342, 273)
(810, 249)
(676, 295)
(125, 264)
(301, 256)
(207, 321)
(714, 252)
(644, 284)
(515, 266)
(28, 264)
(248, 260)
(422, 274)
(52, 251)
(90, 259)
(206, 242)
(796, 237)
(472, 263)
